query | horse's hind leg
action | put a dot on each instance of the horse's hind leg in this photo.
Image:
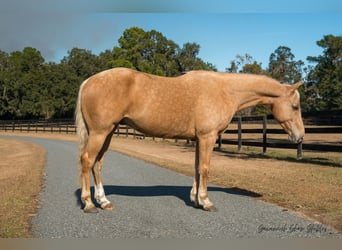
(100, 195)
(90, 158)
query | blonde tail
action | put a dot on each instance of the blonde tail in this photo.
(81, 127)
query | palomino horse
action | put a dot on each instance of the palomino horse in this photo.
(198, 105)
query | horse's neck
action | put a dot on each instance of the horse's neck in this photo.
(258, 92)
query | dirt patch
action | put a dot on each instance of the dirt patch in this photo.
(20, 182)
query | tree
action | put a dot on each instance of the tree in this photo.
(150, 52)
(245, 64)
(58, 91)
(21, 71)
(83, 62)
(4, 82)
(30, 88)
(234, 67)
(188, 59)
(105, 58)
(121, 63)
(327, 74)
(283, 67)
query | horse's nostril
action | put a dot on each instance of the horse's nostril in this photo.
(300, 139)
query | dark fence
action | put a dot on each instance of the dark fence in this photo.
(331, 118)
(323, 119)
(267, 142)
(65, 126)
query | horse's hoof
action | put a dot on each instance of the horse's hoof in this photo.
(210, 209)
(107, 206)
(90, 210)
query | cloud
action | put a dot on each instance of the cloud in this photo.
(54, 27)
(28, 23)
(50, 26)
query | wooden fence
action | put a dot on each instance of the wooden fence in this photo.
(65, 126)
(68, 127)
(267, 142)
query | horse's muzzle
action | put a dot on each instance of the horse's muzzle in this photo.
(296, 138)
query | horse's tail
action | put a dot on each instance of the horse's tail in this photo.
(81, 126)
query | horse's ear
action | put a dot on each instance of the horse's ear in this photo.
(296, 85)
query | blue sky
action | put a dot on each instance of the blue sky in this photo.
(223, 28)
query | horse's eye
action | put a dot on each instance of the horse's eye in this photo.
(294, 107)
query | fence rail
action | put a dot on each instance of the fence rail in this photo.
(266, 142)
(68, 127)
(55, 126)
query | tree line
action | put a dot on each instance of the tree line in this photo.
(32, 88)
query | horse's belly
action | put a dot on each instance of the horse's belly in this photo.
(165, 128)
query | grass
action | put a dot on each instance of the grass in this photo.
(20, 182)
(289, 155)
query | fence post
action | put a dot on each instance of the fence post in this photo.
(118, 130)
(264, 134)
(239, 133)
(220, 141)
(300, 151)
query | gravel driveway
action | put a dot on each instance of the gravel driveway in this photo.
(152, 202)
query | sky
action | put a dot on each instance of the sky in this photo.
(223, 28)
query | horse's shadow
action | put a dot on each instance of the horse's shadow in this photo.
(181, 192)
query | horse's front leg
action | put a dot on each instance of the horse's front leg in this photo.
(199, 192)
(193, 192)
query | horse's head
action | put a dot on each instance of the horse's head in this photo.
(286, 110)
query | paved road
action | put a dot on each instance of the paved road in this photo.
(151, 202)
